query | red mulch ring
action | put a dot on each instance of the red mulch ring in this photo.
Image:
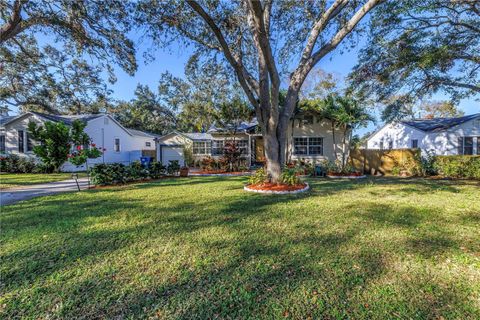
(276, 187)
(338, 174)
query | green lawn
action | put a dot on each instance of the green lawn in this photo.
(203, 248)
(12, 180)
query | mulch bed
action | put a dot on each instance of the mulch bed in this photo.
(276, 187)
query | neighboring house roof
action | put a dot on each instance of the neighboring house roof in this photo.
(198, 136)
(68, 120)
(6, 119)
(144, 134)
(439, 124)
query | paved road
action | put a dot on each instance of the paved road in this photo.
(10, 196)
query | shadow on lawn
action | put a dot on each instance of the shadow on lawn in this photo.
(322, 268)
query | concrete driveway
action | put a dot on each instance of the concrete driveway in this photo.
(10, 196)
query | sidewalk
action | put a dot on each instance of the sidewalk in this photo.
(11, 196)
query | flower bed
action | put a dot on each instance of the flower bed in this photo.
(273, 188)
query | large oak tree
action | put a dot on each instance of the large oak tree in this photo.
(52, 52)
(262, 42)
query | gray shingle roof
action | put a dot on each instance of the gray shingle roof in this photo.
(198, 135)
(142, 133)
(439, 124)
(68, 120)
(6, 119)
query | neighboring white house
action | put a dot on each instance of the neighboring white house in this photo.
(122, 145)
(442, 136)
(308, 138)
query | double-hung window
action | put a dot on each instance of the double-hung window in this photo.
(465, 145)
(414, 143)
(242, 145)
(21, 141)
(2, 143)
(308, 146)
(116, 146)
(202, 147)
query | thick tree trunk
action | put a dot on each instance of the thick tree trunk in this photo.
(272, 156)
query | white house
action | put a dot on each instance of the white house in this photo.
(122, 145)
(441, 136)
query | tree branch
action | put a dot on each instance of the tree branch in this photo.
(238, 67)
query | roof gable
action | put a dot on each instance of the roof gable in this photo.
(439, 124)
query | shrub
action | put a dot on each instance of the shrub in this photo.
(209, 163)
(106, 174)
(427, 164)
(458, 166)
(156, 169)
(13, 163)
(173, 167)
(289, 176)
(258, 177)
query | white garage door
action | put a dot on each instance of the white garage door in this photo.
(172, 153)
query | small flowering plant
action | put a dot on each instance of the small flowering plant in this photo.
(81, 154)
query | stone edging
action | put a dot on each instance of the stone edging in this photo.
(346, 177)
(246, 188)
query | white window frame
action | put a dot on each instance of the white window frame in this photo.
(148, 144)
(412, 143)
(308, 145)
(207, 147)
(473, 145)
(115, 144)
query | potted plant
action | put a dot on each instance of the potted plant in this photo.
(184, 171)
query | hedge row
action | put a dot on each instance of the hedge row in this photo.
(467, 167)
(12, 163)
(117, 173)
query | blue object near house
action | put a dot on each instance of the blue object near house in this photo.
(145, 161)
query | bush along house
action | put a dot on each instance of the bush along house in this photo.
(120, 144)
(309, 138)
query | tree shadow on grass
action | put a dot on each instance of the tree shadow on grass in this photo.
(255, 267)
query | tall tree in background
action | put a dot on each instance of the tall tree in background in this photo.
(252, 37)
(38, 76)
(417, 48)
(145, 112)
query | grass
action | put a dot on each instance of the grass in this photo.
(203, 248)
(13, 180)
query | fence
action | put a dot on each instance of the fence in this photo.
(374, 161)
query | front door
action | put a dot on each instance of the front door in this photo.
(259, 150)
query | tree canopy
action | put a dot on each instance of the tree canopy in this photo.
(50, 77)
(417, 49)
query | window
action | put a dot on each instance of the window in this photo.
(29, 142)
(300, 146)
(381, 145)
(21, 142)
(116, 146)
(2, 143)
(390, 144)
(202, 147)
(315, 146)
(217, 147)
(468, 146)
(414, 143)
(465, 145)
(308, 146)
(148, 144)
(242, 145)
